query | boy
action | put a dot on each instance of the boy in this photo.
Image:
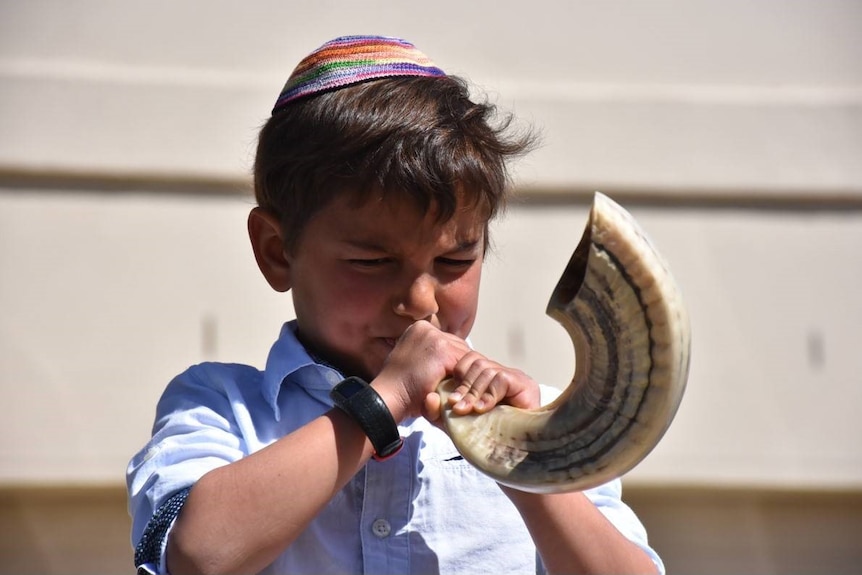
(376, 178)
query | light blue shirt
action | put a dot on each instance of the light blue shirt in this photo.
(426, 510)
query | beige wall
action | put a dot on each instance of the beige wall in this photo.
(685, 96)
(107, 296)
(732, 130)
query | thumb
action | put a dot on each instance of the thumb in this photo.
(432, 407)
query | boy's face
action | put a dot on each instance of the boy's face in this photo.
(361, 275)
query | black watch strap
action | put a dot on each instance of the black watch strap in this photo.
(361, 402)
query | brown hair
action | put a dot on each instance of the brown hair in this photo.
(423, 137)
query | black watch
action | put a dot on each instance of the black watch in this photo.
(361, 402)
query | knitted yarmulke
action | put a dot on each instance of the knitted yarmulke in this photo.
(352, 59)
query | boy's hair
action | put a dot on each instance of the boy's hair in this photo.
(420, 137)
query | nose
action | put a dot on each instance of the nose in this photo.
(418, 300)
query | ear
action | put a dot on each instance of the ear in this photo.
(264, 231)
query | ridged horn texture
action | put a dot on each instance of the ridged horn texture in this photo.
(630, 330)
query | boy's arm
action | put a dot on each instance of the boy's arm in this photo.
(271, 492)
(276, 492)
(570, 532)
(573, 536)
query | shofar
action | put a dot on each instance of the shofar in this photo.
(630, 329)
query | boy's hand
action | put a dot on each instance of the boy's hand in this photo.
(483, 383)
(422, 358)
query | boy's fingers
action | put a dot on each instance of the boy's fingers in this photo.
(471, 365)
(495, 391)
(483, 383)
(482, 393)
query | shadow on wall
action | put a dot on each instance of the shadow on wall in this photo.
(759, 532)
(54, 531)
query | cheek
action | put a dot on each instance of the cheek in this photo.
(355, 299)
(350, 299)
(326, 299)
(336, 315)
(459, 303)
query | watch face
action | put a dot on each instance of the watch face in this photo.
(351, 386)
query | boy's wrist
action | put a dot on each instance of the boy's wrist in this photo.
(397, 402)
(365, 406)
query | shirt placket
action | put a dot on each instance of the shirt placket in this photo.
(385, 512)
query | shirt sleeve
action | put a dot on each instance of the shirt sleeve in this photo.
(150, 550)
(195, 431)
(608, 499)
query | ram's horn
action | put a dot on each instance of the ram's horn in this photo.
(630, 329)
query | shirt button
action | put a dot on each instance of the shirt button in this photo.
(381, 528)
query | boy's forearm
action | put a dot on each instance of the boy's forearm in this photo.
(573, 536)
(240, 517)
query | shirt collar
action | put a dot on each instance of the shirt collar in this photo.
(288, 357)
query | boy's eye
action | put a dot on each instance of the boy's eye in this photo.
(370, 262)
(456, 262)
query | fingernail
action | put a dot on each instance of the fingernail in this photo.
(460, 405)
(455, 396)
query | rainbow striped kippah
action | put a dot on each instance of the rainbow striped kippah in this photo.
(352, 59)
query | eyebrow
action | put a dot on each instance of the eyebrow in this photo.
(463, 246)
(364, 245)
(467, 245)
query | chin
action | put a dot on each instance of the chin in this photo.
(370, 372)
(365, 367)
